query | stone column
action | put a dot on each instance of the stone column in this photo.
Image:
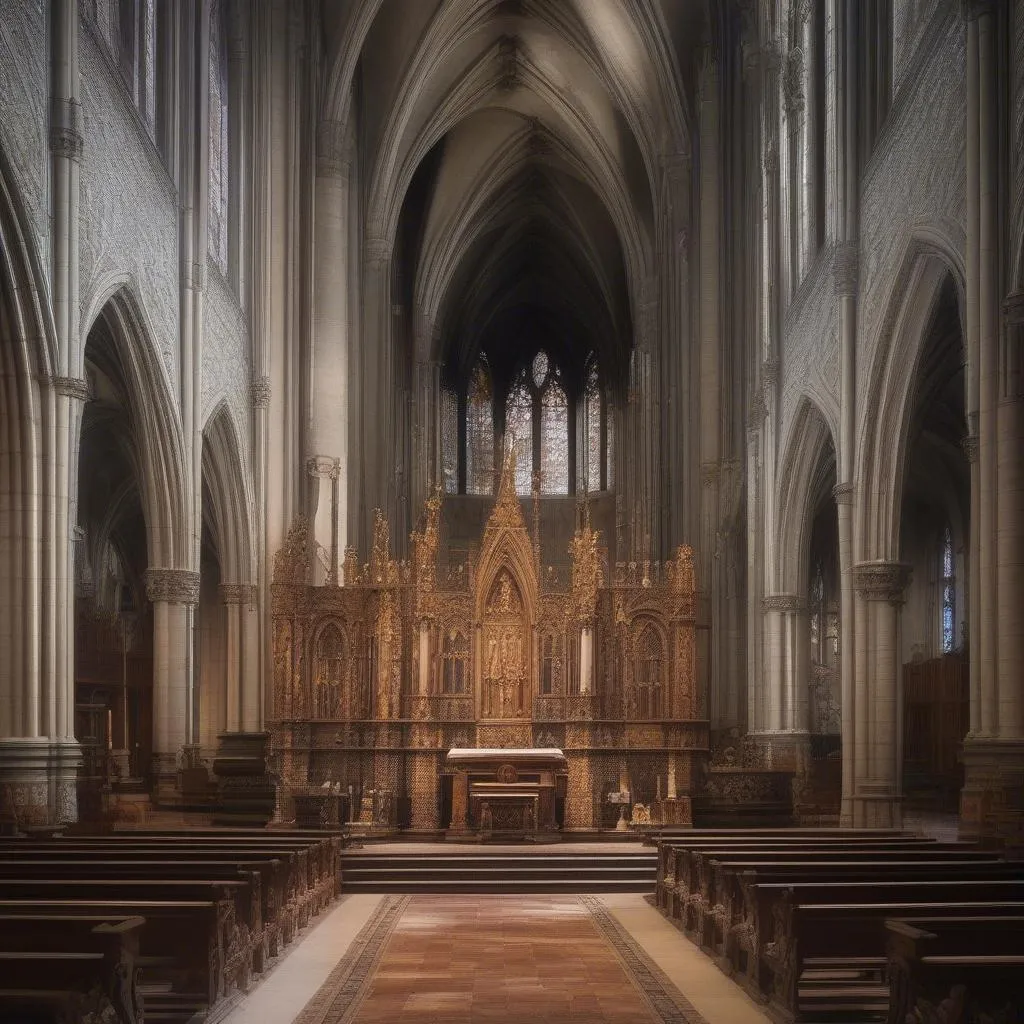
(328, 457)
(326, 519)
(423, 682)
(586, 659)
(878, 782)
(174, 594)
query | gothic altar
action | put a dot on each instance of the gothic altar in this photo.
(379, 675)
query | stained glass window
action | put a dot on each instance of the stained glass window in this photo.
(519, 431)
(817, 612)
(592, 431)
(450, 441)
(948, 593)
(554, 439)
(218, 228)
(540, 369)
(480, 433)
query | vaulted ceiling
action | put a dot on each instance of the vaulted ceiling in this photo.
(510, 153)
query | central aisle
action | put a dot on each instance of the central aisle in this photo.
(518, 959)
(500, 958)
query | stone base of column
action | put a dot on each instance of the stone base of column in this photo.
(876, 806)
(784, 752)
(245, 790)
(992, 800)
(38, 784)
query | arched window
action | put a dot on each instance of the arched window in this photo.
(948, 584)
(551, 665)
(519, 431)
(455, 673)
(817, 609)
(450, 440)
(480, 432)
(595, 434)
(554, 439)
(131, 30)
(219, 148)
(330, 668)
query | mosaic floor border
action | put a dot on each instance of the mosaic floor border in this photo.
(667, 1003)
(337, 1000)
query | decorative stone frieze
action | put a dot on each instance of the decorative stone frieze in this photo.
(173, 586)
(71, 387)
(237, 593)
(845, 268)
(881, 581)
(970, 445)
(783, 603)
(843, 493)
(260, 391)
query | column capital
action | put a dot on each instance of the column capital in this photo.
(881, 581)
(333, 155)
(377, 250)
(783, 603)
(65, 137)
(970, 446)
(259, 391)
(974, 9)
(172, 586)
(845, 268)
(237, 593)
(843, 493)
(71, 387)
(322, 467)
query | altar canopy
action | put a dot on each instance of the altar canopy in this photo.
(494, 692)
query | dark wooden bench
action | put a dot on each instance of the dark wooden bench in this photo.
(179, 946)
(84, 970)
(973, 961)
(827, 925)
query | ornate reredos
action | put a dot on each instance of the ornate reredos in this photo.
(507, 550)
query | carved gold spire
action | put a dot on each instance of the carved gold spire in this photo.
(587, 575)
(507, 510)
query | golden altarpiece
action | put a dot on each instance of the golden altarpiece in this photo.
(377, 678)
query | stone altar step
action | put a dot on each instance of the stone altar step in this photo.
(500, 873)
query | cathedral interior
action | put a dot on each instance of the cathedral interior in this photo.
(427, 420)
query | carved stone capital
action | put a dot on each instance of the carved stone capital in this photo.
(333, 158)
(67, 143)
(378, 250)
(322, 467)
(770, 374)
(970, 446)
(237, 593)
(845, 268)
(881, 581)
(71, 387)
(758, 412)
(172, 586)
(259, 390)
(843, 493)
(783, 603)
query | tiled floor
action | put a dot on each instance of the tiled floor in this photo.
(500, 958)
(515, 959)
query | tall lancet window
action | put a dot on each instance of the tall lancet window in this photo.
(519, 431)
(450, 440)
(554, 438)
(480, 432)
(218, 227)
(948, 593)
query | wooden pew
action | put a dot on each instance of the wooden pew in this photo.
(974, 962)
(82, 971)
(798, 925)
(696, 886)
(669, 852)
(179, 944)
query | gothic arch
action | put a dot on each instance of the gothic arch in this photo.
(127, 348)
(513, 554)
(803, 485)
(929, 262)
(229, 490)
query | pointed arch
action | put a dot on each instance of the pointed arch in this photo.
(227, 487)
(808, 466)
(120, 337)
(929, 262)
